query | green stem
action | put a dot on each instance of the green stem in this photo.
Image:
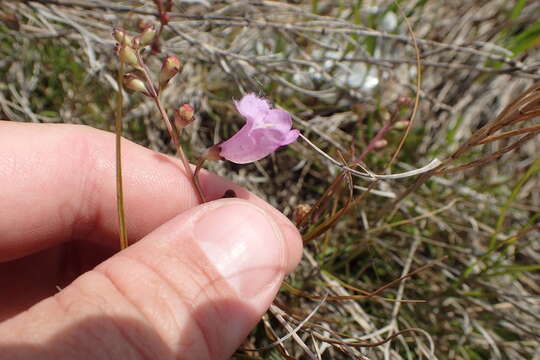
(119, 182)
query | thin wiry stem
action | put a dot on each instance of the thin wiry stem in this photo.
(171, 129)
(196, 178)
(369, 175)
(119, 181)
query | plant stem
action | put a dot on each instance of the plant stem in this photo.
(179, 151)
(119, 182)
(196, 178)
(171, 129)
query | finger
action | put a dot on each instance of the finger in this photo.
(59, 183)
(193, 289)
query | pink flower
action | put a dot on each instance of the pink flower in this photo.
(266, 129)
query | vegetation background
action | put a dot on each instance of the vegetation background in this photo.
(346, 69)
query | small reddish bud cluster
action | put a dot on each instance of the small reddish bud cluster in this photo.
(147, 35)
(128, 51)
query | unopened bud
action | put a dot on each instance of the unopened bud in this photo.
(379, 144)
(121, 36)
(128, 55)
(183, 116)
(171, 66)
(147, 35)
(402, 124)
(133, 82)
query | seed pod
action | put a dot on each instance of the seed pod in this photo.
(128, 55)
(135, 83)
(147, 35)
(379, 144)
(121, 36)
(402, 124)
(171, 66)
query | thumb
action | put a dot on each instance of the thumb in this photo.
(193, 288)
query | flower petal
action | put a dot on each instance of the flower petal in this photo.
(253, 108)
(265, 131)
(244, 148)
(277, 119)
(290, 137)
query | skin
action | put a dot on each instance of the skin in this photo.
(194, 283)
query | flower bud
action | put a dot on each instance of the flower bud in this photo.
(147, 35)
(402, 124)
(128, 55)
(183, 116)
(171, 66)
(121, 36)
(379, 144)
(133, 82)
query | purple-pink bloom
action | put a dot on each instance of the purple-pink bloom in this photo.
(265, 130)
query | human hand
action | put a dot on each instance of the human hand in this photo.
(197, 280)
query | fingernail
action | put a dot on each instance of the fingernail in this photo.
(245, 245)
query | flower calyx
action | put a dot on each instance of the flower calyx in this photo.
(121, 36)
(183, 116)
(133, 82)
(170, 67)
